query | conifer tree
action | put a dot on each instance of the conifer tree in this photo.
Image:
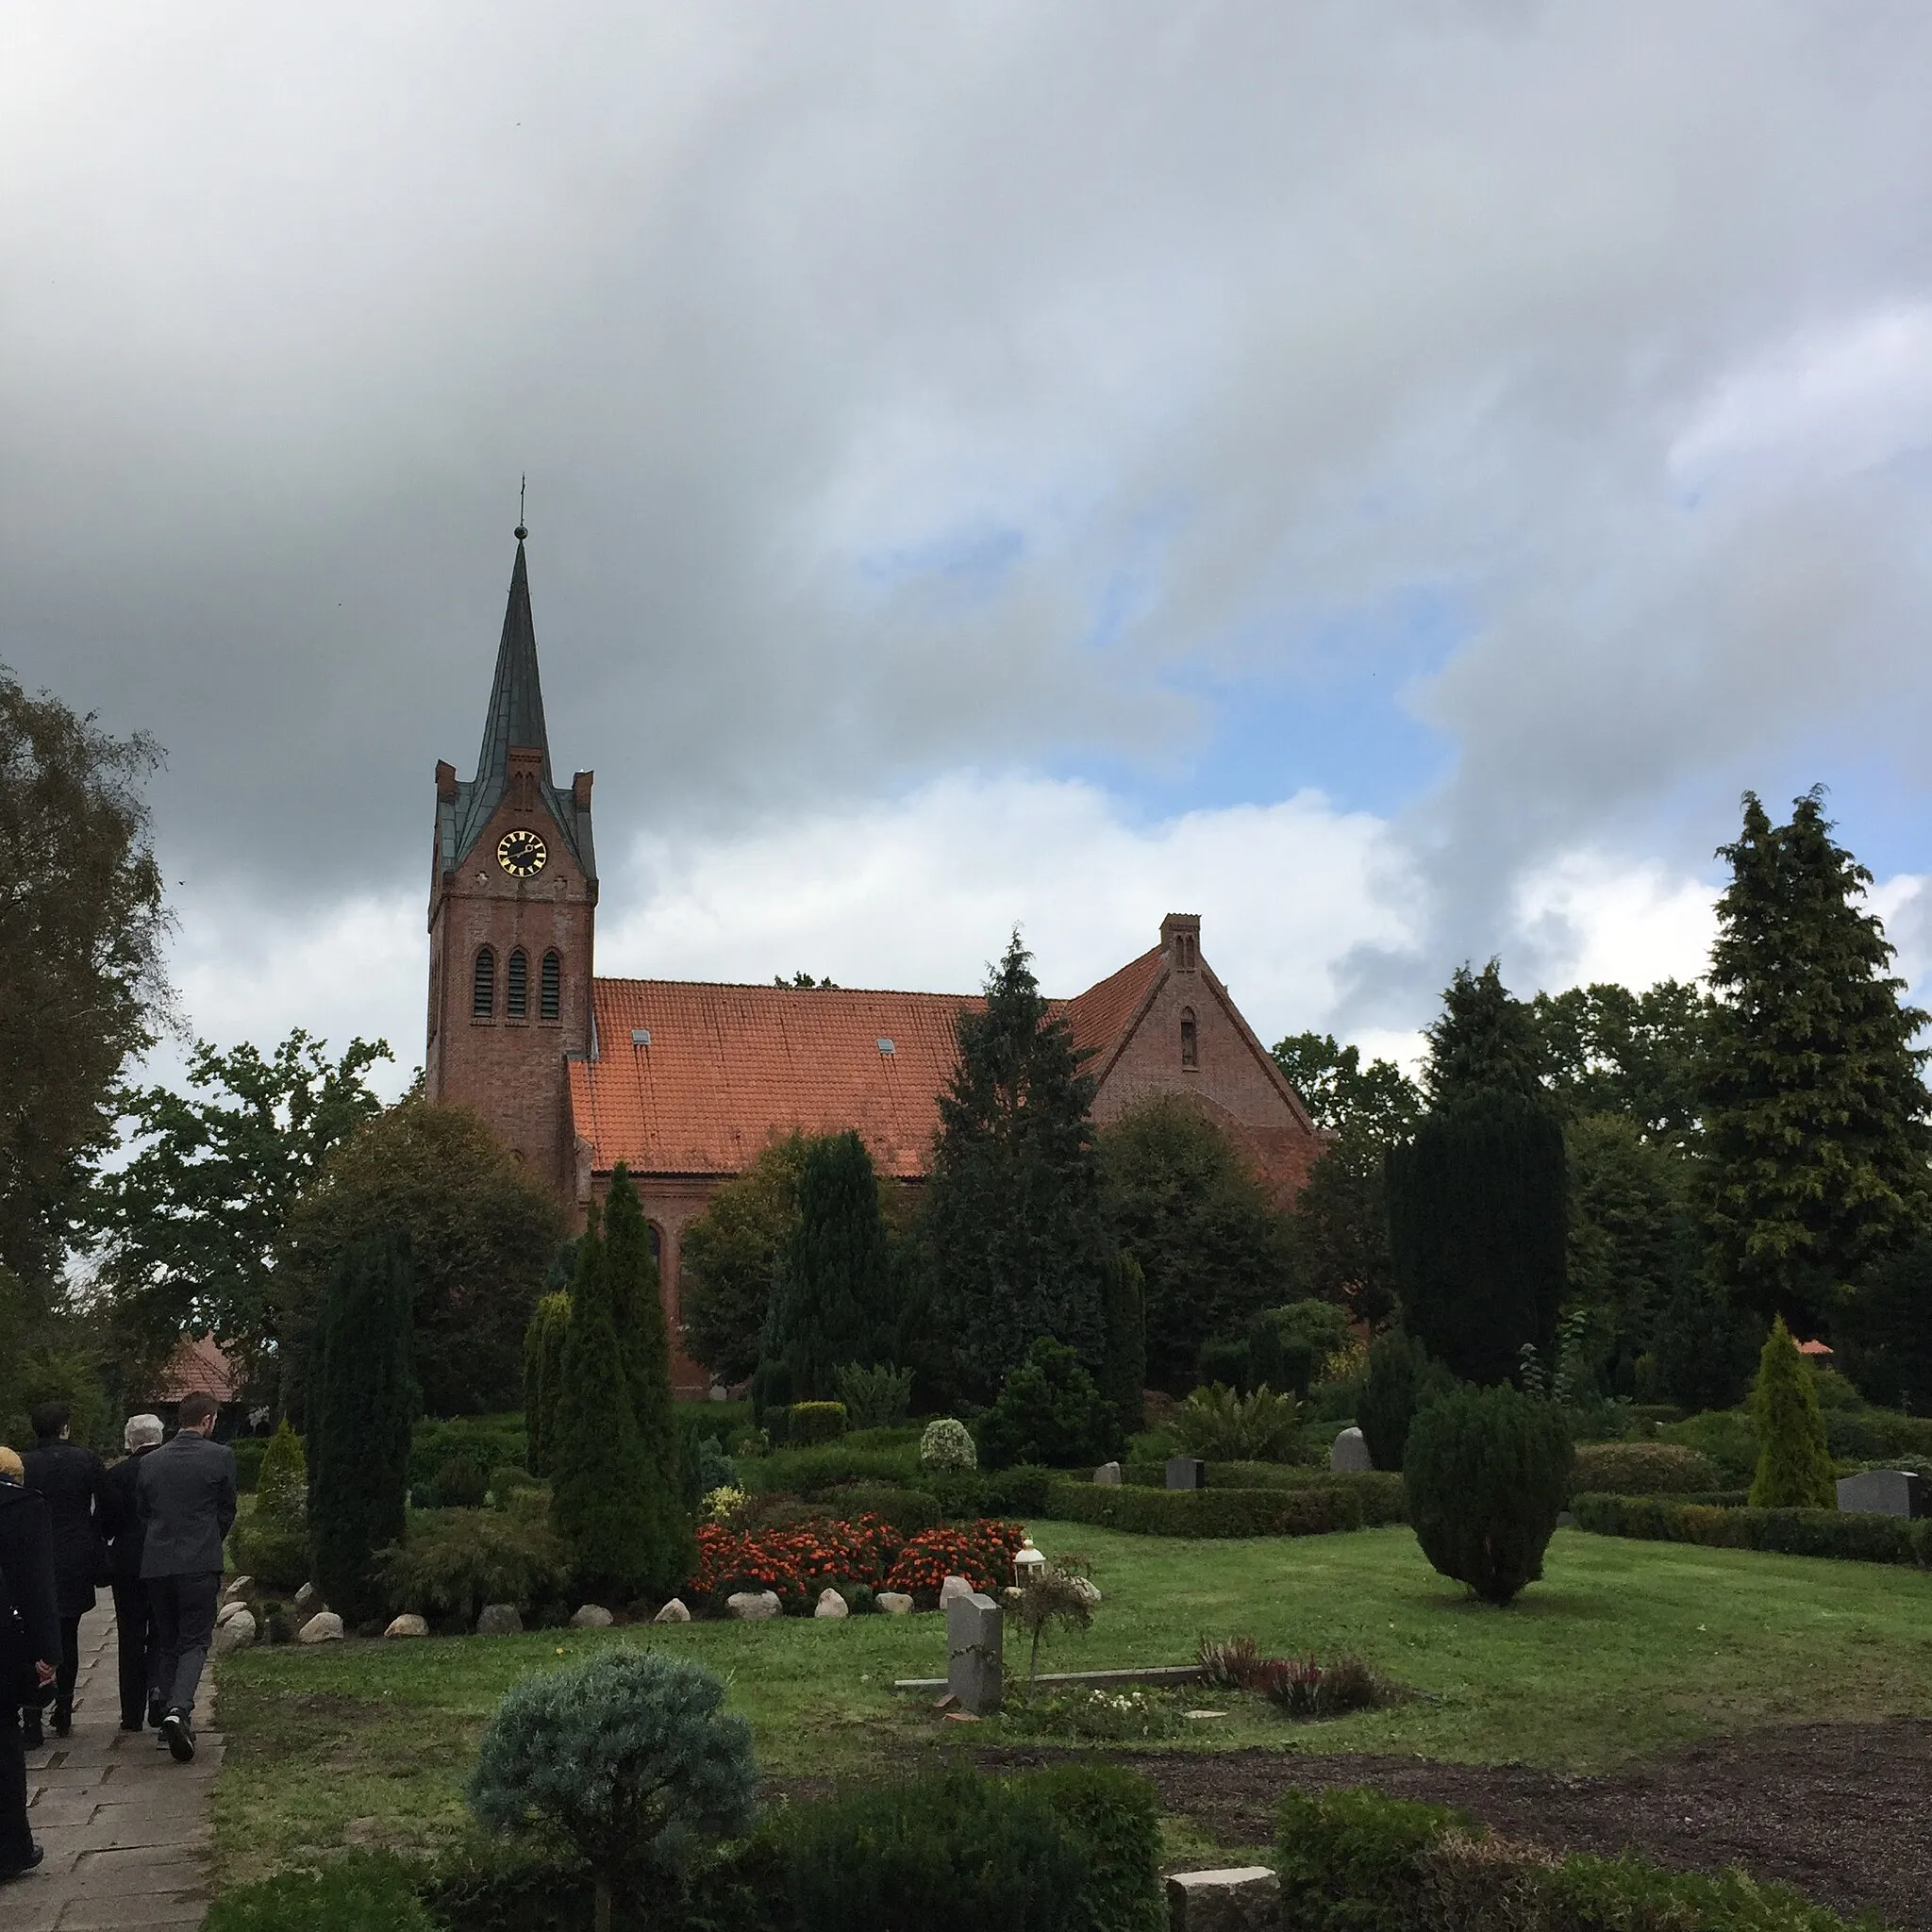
(363, 1406)
(543, 1345)
(834, 1301)
(1814, 1110)
(1123, 1377)
(643, 1339)
(1478, 1195)
(1793, 1463)
(1017, 1235)
(602, 1481)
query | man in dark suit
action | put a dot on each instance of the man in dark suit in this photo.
(70, 1477)
(134, 1623)
(29, 1642)
(185, 1494)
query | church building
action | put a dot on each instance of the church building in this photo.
(686, 1081)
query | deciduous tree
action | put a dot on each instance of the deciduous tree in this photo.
(730, 1255)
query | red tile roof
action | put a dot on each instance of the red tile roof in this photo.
(198, 1367)
(729, 1068)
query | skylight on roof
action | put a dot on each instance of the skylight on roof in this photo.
(885, 1045)
(641, 1035)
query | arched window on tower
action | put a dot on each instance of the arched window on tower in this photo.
(1191, 1053)
(516, 1001)
(550, 989)
(483, 984)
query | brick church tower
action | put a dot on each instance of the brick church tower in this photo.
(513, 913)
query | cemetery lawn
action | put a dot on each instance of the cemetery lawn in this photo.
(1625, 1650)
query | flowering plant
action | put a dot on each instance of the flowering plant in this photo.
(796, 1564)
(721, 1505)
(946, 1445)
(981, 1552)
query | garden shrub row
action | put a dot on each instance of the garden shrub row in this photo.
(1356, 1861)
(1848, 1534)
(1343, 1502)
(1075, 1848)
(1234, 1476)
(1640, 1469)
(483, 1441)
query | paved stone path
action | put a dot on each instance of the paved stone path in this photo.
(126, 1829)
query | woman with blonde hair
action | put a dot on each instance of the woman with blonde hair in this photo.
(29, 1642)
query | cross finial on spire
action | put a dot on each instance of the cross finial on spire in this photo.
(523, 485)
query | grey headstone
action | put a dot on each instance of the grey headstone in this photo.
(1883, 1492)
(976, 1668)
(1109, 1474)
(1244, 1898)
(1186, 1473)
(1351, 1451)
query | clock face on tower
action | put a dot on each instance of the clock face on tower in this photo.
(521, 854)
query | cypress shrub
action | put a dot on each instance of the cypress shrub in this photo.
(1477, 1229)
(543, 1344)
(281, 1486)
(1793, 1464)
(636, 1310)
(362, 1407)
(1484, 1477)
(1401, 1379)
(602, 1500)
(1049, 1411)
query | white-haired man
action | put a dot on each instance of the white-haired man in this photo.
(134, 1618)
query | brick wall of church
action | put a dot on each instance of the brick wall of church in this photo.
(1228, 1079)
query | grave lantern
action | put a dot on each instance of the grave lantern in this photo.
(1027, 1562)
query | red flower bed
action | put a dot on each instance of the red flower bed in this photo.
(795, 1563)
(982, 1553)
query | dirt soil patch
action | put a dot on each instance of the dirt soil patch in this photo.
(1840, 1812)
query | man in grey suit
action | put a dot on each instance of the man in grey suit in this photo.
(186, 1497)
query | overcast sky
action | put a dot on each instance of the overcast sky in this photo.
(1385, 479)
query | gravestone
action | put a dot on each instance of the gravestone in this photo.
(1350, 1453)
(1244, 1898)
(975, 1666)
(1883, 1492)
(1109, 1474)
(1186, 1473)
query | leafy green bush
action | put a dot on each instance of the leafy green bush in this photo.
(966, 1494)
(832, 1466)
(1852, 1535)
(505, 1483)
(1049, 1411)
(1343, 1502)
(907, 1510)
(1216, 1423)
(281, 1482)
(1641, 1469)
(874, 1398)
(1727, 1436)
(360, 1892)
(461, 1483)
(1485, 1474)
(810, 1424)
(1114, 1817)
(1793, 1463)
(272, 1550)
(248, 1452)
(1401, 1379)
(629, 1756)
(1351, 1861)
(950, 1852)
(947, 1445)
(451, 1562)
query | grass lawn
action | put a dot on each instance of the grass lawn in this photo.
(1625, 1649)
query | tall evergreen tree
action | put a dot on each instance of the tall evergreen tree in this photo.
(362, 1409)
(1478, 1193)
(1814, 1110)
(544, 1347)
(834, 1301)
(1017, 1233)
(1123, 1374)
(637, 1309)
(1793, 1464)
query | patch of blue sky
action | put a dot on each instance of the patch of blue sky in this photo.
(976, 560)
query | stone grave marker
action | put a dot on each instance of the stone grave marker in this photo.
(1186, 1473)
(1350, 1453)
(1108, 1474)
(975, 1663)
(1883, 1492)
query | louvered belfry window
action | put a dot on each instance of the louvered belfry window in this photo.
(550, 993)
(483, 985)
(517, 993)
(1191, 1050)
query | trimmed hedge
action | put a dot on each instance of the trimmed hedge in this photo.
(1852, 1535)
(1345, 1502)
(1640, 1469)
(1356, 1861)
(1236, 1476)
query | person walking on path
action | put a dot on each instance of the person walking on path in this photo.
(185, 1494)
(70, 1477)
(133, 1620)
(29, 1642)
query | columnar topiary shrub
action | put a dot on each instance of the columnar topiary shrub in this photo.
(1793, 1464)
(629, 1755)
(1485, 1475)
(1401, 1379)
(947, 1443)
(543, 1345)
(363, 1405)
(273, 1544)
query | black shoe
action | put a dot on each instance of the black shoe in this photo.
(156, 1710)
(134, 1723)
(33, 1858)
(178, 1735)
(63, 1723)
(31, 1729)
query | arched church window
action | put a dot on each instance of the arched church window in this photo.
(550, 989)
(1191, 1052)
(483, 984)
(657, 1245)
(516, 1001)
